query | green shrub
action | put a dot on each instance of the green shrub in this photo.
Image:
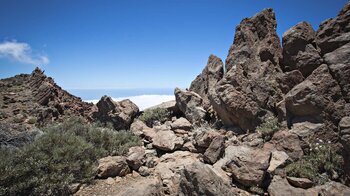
(268, 128)
(66, 153)
(157, 114)
(322, 159)
(31, 120)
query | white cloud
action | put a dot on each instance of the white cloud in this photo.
(144, 101)
(21, 52)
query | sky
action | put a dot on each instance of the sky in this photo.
(102, 44)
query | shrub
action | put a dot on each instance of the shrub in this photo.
(157, 114)
(268, 128)
(66, 153)
(31, 120)
(322, 159)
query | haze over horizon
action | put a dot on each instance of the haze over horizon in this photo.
(132, 44)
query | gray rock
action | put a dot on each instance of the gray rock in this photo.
(167, 141)
(135, 157)
(215, 149)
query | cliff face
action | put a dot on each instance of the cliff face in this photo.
(33, 99)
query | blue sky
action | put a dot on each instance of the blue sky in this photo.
(132, 44)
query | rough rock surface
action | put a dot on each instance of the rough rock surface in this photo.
(315, 95)
(300, 51)
(287, 142)
(181, 123)
(288, 80)
(199, 179)
(135, 157)
(248, 91)
(120, 114)
(278, 158)
(335, 32)
(248, 165)
(191, 105)
(112, 166)
(206, 81)
(215, 149)
(344, 129)
(170, 106)
(29, 100)
(167, 141)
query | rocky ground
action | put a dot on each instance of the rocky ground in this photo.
(275, 120)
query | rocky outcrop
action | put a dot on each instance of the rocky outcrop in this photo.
(215, 149)
(344, 130)
(288, 80)
(300, 51)
(112, 166)
(120, 114)
(191, 105)
(206, 81)
(318, 98)
(334, 33)
(248, 91)
(136, 157)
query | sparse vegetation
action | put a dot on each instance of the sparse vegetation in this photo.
(31, 120)
(319, 166)
(268, 128)
(66, 153)
(151, 116)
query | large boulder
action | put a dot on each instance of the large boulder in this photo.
(339, 65)
(181, 123)
(318, 98)
(248, 91)
(191, 105)
(167, 141)
(299, 49)
(136, 157)
(112, 166)
(334, 33)
(170, 106)
(289, 79)
(200, 179)
(120, 114)
(206, 81)
(248, 165)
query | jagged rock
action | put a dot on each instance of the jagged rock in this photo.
(191, 104)
(330, 188)
(311, 98)
(299, 49)
(287, 142)
(339, 65)
(135, 157)
(120, 114)
(167, 141)
(300, 182)
(199, 179)
(181, 123)
(248, 165)
(206, 81)
(278, 158)
(112, 166)
(215, 149)
(288, 80)
(248, 91)
(334, 33)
